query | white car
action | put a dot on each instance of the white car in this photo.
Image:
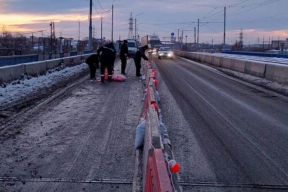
(132, 47)
(165, 52)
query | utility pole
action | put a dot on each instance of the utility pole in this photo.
(112, 23)
(224, 39)
(52, 26)
(101, 31)
(181, 39)
(79, 31)
(241, 43)
(178, 35)
(135, 28)
(90, 27)
(194, 35)
(198, 34)
(32, 41)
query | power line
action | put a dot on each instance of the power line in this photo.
(262, 4)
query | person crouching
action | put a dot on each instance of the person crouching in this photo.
(107, 58)
(93, 64)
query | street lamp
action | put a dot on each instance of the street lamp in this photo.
(135, 24)
(112, 20)
(79, 27)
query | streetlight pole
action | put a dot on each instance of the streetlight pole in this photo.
(79, 31)
(112, 23)
(90, 27)
(224, 38)
(112, 20)
(136, 26)
(79, 37)
(101, 31)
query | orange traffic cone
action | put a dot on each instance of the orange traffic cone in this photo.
(106, 74)
(156, 84)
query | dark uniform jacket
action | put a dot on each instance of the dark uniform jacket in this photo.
(124, 51)
(140, 53)
(93, 59)
(108, 53)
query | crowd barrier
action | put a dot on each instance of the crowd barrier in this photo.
(157, 175)
(270, 71)
(14, 72)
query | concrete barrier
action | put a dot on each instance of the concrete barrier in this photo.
(238, 65)
(202, 58)
(255, 68)
(208, 59)
(10, 73)
(74, 60)
(53, 63)
(270, 71)
(35, 68)
(216, 61)
(13, 72)
(226, 63)
(278, 73)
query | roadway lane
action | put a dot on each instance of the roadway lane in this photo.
(224, 132)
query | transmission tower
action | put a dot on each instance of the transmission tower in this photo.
(130, 35)
(241, 40)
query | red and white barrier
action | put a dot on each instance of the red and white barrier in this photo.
(158, 169)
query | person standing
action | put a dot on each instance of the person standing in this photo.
(107, 58)
(123, 56)
(137, 58)
(93, 63)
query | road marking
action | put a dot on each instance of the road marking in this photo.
(61, 180)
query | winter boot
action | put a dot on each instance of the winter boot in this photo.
(109, 78)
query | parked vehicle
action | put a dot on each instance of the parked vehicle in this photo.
(165, 52)
(118, 44)
(132, 47)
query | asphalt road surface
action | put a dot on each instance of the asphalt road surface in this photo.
(227, 135)
(79, 140)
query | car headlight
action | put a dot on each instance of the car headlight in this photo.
(170, 54)
(161, 53)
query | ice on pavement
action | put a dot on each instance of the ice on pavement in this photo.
(21, 88)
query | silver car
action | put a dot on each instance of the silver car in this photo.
(165, 52)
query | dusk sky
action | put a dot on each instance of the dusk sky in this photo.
(257, 18)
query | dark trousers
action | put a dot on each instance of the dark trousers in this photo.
(123, 64)
(109, 67)
(92, 69)
(138, 67)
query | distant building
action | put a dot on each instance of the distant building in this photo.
(278, 44)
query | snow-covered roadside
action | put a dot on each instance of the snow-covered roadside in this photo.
(21, 88)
